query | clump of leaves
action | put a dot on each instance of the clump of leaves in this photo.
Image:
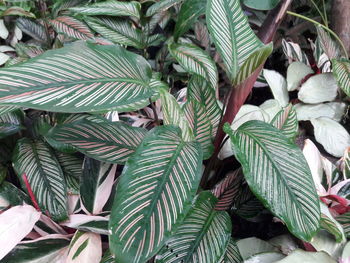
(125, 137)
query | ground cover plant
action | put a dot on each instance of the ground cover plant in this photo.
(173, 131)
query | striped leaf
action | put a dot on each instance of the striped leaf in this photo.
(71, 27)
(37, 166)
(293, 52)
(331, 225)
(106, 141)
(11, 123)
(253, 62)
(89, 223)
(232, 254)
(173, 114)
(82, 77)
(28, 51)
(278, 174)
(202, 237)
(196, 61)
(246, 205)
(32, 28)
(329, 46)
(341, 72)
(50, 248)
(228, 189)
(154, 193)
(199, 90)
(118, 30)
(96, 184)
(7, 109)
(346, 158)
(231, 33)
(286, 121)
(189, 12)
(196, 116)
(161, 6)
(344, 220)
(110, 8)
(10, 195)
(72, 168)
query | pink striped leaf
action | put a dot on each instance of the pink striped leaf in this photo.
(111, 142)
(154, 193)
(40, 173)
(202, 237)
(201, 126)
(82, 77)
(228, 189)
(71, 27)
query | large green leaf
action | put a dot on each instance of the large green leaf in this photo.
(71, 27)
(341, 72)
(106, 141)
(154, 193)
(118, 30)
(110, 8)
(278, 174)
(202, 237)
(11, 123)
(78, 78)
(199, 90)
(96, 184)
(231, 33)
(201, 126)
(189, 12)
(196, 61)
(36, 163)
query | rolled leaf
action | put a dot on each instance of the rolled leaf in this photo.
(154, 193)
(278, 174)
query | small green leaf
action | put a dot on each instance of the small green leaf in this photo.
(261, 4)
(161, 6)
(286, 121)
(341, 72)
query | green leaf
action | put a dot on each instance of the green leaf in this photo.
(173, 114)
(11, 123)
(203, 235)
(344, 220)
(37, 162)
(154, 193)
(286, 121)
(45, 249)
(96, 184)
(261, 4)
(72, 168)
(331, 225)
(71, 27)
(32, 28)
(341, 72)
(189, 12)
(278, 174)
(231, 33)
(118, 30)
(196, 61)
(199, 90)
(253, 62)
(196, 116)
(85, 247)
(95, 224)
(10, 195)
(106, 141)
(232, 254)
(82, 77)
(161, 6)
(110, 8)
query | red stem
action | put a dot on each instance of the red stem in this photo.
(30, 192)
